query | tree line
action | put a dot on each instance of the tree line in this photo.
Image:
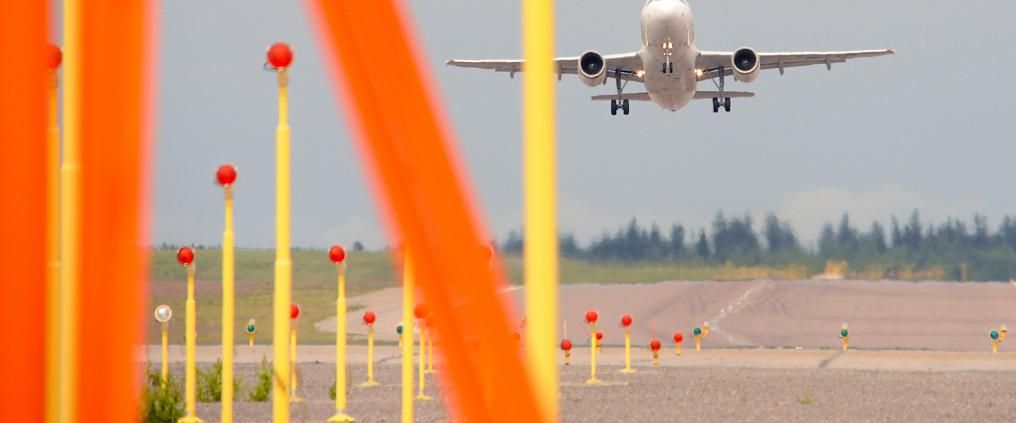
(952, 250)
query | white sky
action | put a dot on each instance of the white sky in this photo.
(927, 128)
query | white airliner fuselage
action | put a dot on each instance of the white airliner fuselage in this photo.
(668, 33)
(670, 65)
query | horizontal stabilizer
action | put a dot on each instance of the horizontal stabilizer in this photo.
(626, 96)
(706, 95)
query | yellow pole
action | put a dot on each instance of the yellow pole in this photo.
(250, 340)
(407, 337)
(70, 215)
(567, 358)
(656, 359)
(52, 251)
(540, 156)
(292, 355)
(593, 346)
(430, 353)
(283, 263)
(423, 335)
(627, 352)
(678, 348)
(340, 351)
(370, 358)
(190, 390)
(698, 342)
(994, 346)
(227, 308)
(165, 354)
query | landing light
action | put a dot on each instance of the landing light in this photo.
(698, 72)
(640, 73)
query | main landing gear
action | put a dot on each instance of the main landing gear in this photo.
(721, 101)
(717, 103)
(619, 103)
(614, 105)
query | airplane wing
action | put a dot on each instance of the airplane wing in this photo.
(714, 62)
(625, 64)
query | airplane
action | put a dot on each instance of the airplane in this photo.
(670, 66)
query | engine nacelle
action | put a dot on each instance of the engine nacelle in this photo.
(592, 68)
(746, 64)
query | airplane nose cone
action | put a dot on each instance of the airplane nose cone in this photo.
(669, 7)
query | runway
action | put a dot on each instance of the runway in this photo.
(939, 316)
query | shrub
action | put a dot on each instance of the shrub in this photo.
(263, 387)
(158, 404)
(210, 383)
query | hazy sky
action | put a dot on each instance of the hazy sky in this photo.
(928, 128)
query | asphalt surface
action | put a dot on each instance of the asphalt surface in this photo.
(940, 316)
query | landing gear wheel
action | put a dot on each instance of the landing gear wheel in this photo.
(613, 107)
(726, 104)
(716, 105)
(624, 106)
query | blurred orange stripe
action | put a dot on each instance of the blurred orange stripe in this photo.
(113, 65)
(23, 79)
(403, 138)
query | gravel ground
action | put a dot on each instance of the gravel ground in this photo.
(668, 394)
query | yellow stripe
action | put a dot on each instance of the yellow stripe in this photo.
(70, 234)
(540, 201)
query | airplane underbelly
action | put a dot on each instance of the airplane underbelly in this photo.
(671, 91)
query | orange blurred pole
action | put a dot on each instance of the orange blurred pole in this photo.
(23, 26)
(402, 136)
(112, 103)
(53, 244)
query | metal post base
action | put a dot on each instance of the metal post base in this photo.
(341, 418)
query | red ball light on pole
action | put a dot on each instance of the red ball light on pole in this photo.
(421, 311)
(368, 319)
(626, 323)
(294, 312)
(566, 346)
(626, 320)
(337, 254)
(185, 256)
(280, 56)
(655, 347)
(594, 344)
(678, 339)
(225, 175)
(54, 56)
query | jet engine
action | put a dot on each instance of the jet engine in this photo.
(746, 64)
(592, 68)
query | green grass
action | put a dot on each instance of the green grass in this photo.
(314, 289)
(315, 286)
